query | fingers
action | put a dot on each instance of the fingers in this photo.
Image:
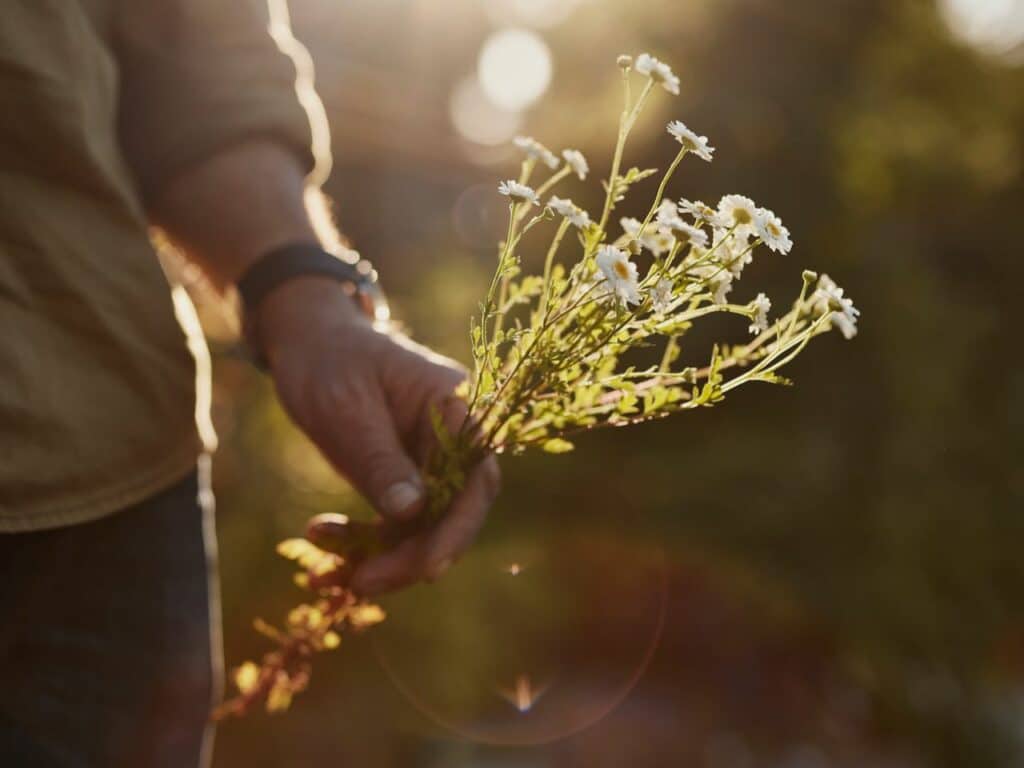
(402, 566)
(366, 447)
(430, 554)
(465, 518)
(371, 417)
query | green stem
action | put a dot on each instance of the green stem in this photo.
(526, 170)
(485, 314)
(503, 270)
(661, 191)
(544, 188)
(549, 261)
(626, 123)
(670, 351)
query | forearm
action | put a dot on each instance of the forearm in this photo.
(239, 204)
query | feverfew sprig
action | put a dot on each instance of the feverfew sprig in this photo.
(519, 193)
(562, 352)
(577, 162)
(658, 71)
(536, 151)
(698, 145)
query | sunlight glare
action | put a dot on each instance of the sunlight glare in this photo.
(991, 26)
(477, 118)
(514, 68)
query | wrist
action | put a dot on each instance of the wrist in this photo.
(323, 281)
(295, 310)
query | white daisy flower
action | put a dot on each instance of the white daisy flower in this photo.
(661, 295)
(740, 212)
(657, 240)
(702, 212)
(567, 208)
(771, 230)
(667, 211)
(688, 234)
(761, 306)
(719, 281)
(698, 145)
(695, 255)
(630, 226)
(658, 71)
(518, 193)
(619, 273)
(575, 160)
(696, 208)
(733, 252)
(668, 219)
(829, 298)
(722, 287)
(537, 151)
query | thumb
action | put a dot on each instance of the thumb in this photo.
(370, 454)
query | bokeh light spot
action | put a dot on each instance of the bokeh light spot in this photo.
(992, 26)
(514, 68)
(479, 119)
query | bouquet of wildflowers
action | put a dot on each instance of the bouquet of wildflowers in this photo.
(551, 351)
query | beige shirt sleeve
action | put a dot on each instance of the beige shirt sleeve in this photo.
(199, 75)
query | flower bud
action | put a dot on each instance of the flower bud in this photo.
(810, 276)
(625, 62)
(634, 247)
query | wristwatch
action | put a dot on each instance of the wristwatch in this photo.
(301, 259)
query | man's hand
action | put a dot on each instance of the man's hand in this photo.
(365, 398)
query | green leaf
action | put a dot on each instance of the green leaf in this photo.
(558, 445)
(627, 404)
(444, 437)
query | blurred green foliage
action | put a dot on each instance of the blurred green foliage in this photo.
(845, 576)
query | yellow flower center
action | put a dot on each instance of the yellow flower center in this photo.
(621, 269)
(742, 216)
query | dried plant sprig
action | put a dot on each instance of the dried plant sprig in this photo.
(553, 354)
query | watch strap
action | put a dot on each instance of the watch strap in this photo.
(286, 262)
(297, 259)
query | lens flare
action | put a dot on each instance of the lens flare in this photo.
(528, 641)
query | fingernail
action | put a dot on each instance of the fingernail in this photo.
(400, 496)
(438, 570)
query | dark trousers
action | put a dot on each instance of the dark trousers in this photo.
(110, 638)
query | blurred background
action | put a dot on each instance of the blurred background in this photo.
(824, 575)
